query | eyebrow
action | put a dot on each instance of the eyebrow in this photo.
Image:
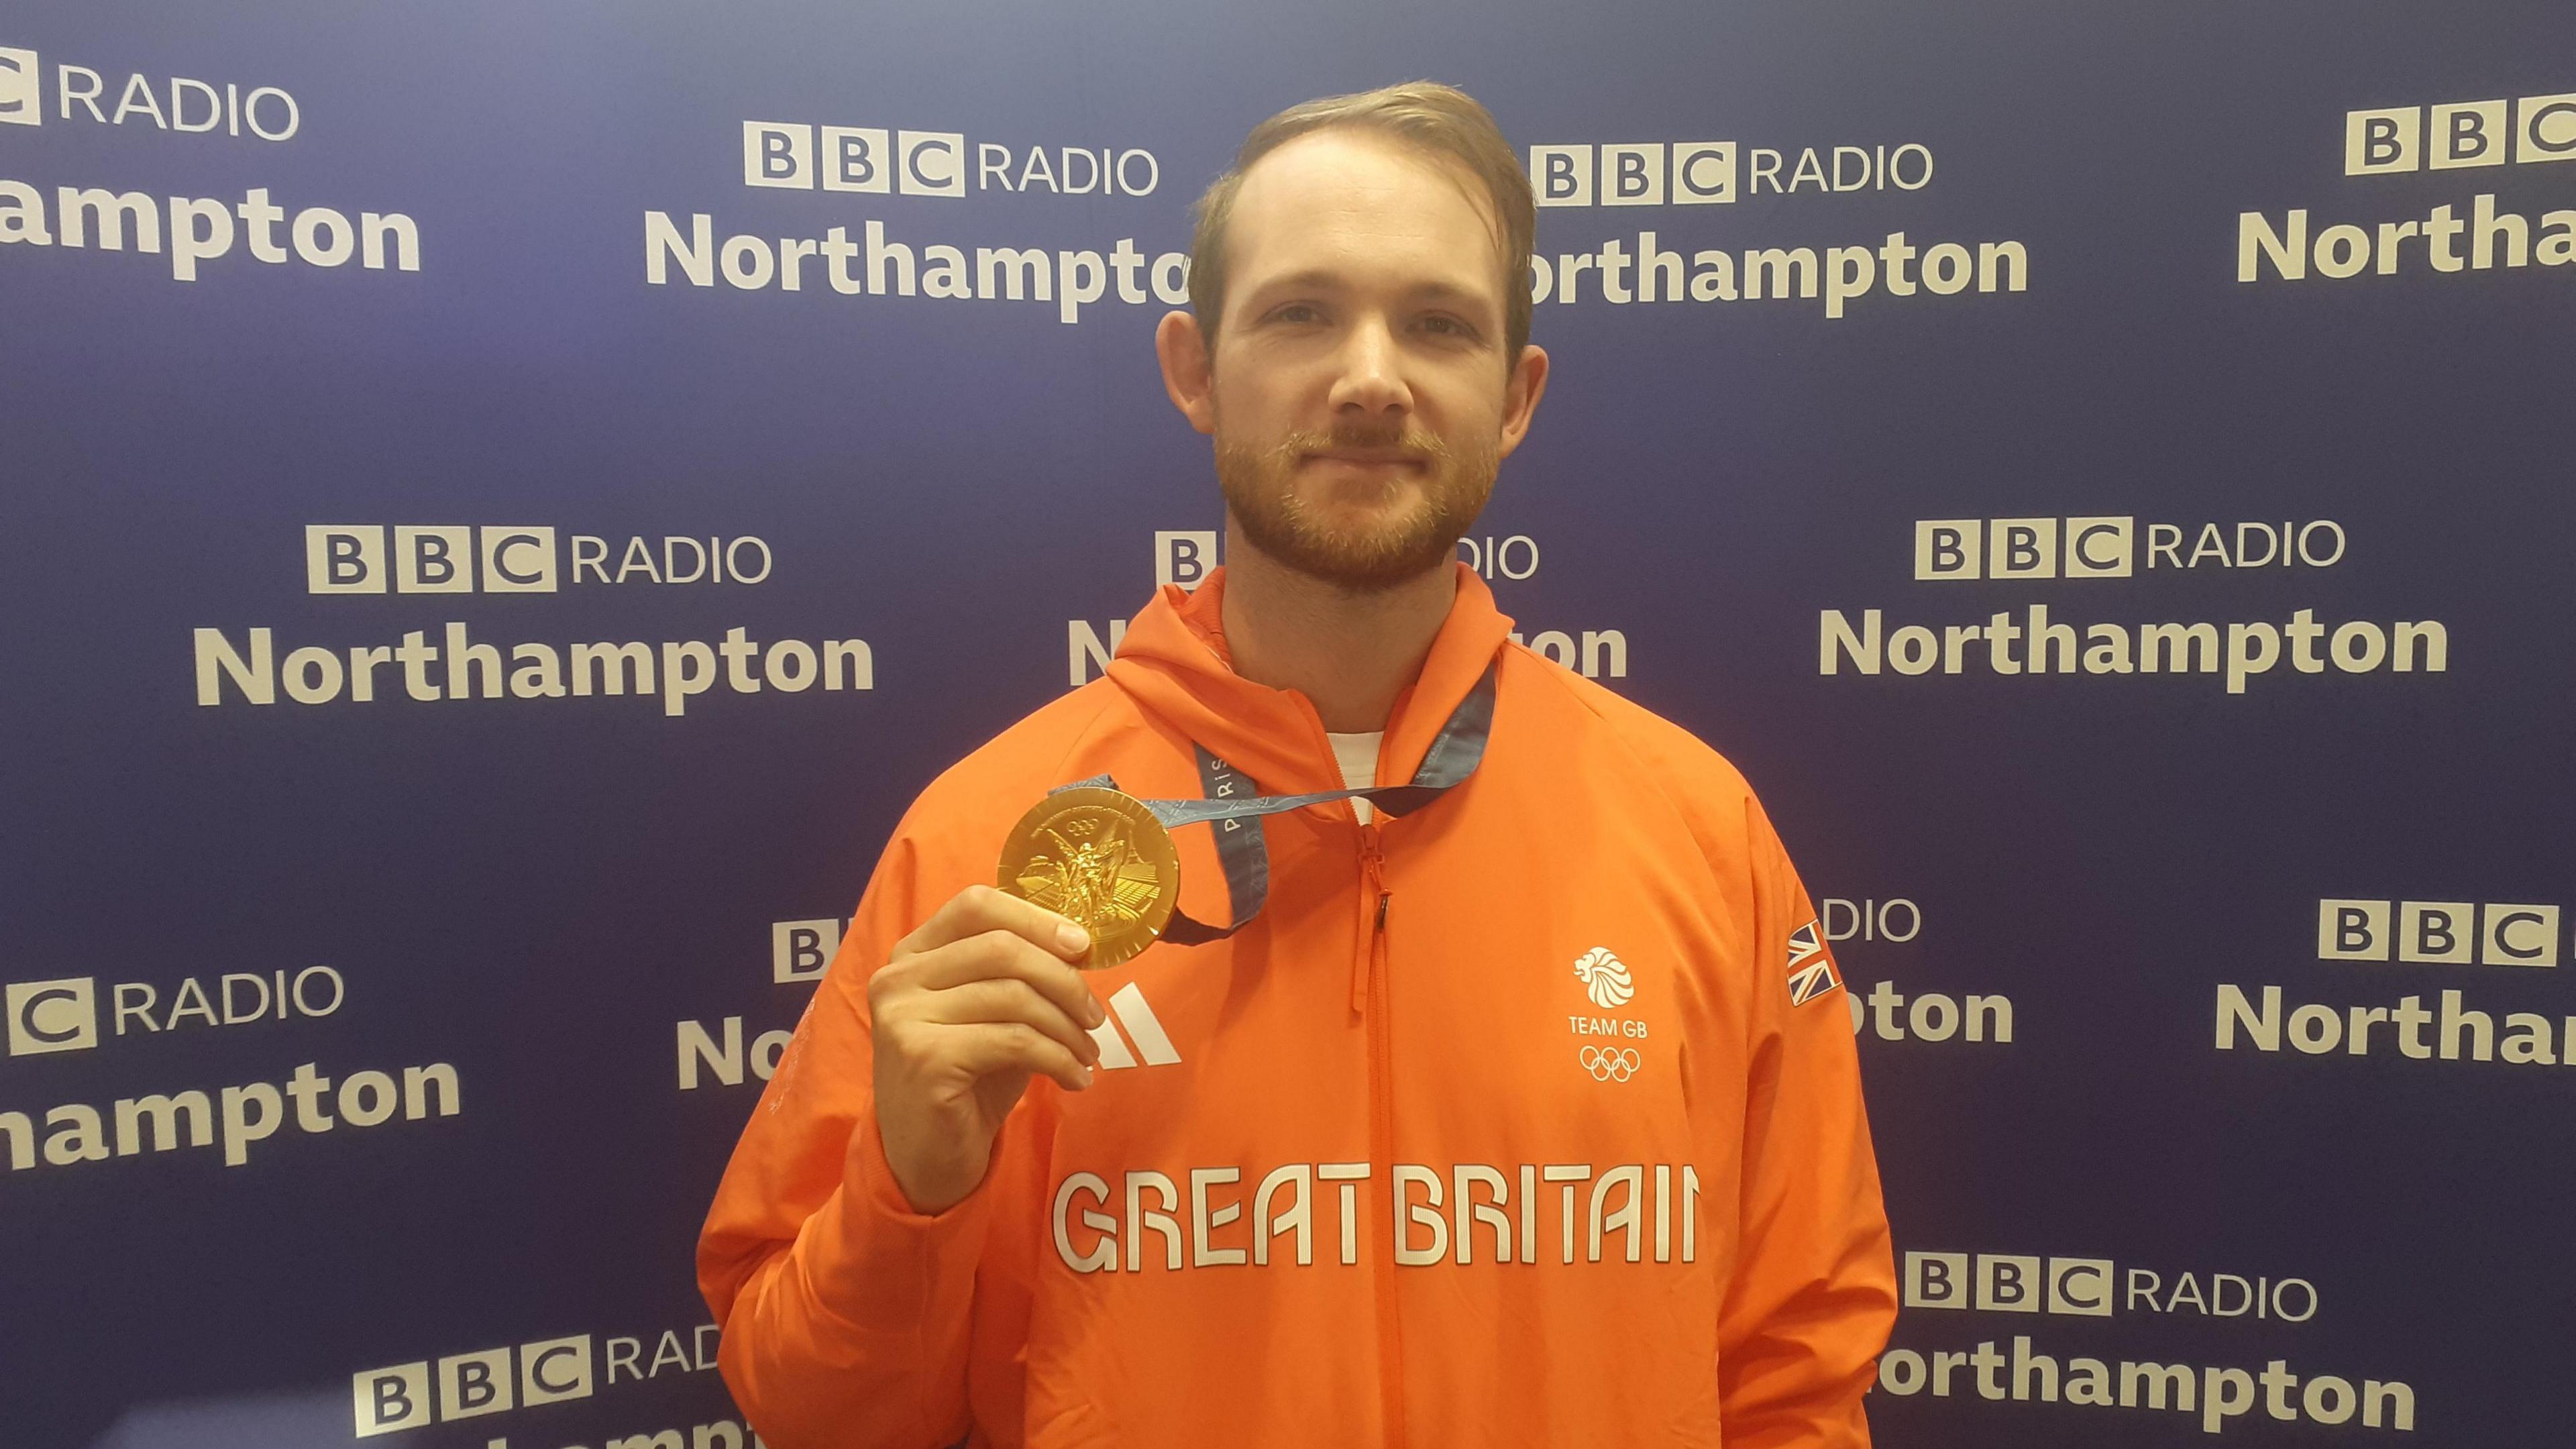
(1321, 278)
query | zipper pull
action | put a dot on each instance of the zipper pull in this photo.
(1372, 883)
(1376, 948)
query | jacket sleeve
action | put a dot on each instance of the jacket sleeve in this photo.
(1814, 1291)
(846, 1315)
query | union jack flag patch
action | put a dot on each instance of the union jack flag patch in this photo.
(1811, 967)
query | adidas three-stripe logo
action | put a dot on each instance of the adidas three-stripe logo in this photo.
(1127, 1008)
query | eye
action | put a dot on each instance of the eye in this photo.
(1441, 324)
(1297, 312)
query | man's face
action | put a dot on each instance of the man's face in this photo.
(1358, 392)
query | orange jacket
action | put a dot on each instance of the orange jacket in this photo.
(1400, 1163)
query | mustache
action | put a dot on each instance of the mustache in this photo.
(1412, 443)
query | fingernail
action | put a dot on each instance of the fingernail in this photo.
(1099, 1013)
(1074, 937)
(1086, 1079)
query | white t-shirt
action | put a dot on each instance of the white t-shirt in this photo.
(1357, 755)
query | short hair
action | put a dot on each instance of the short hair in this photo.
(1439, 121)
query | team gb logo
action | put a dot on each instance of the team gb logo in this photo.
(1604, 978)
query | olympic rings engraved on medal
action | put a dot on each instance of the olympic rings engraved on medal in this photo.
(1611, 1064)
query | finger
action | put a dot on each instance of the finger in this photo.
(1006, 999)
(1006, 954)
(989, 1047)
(981, 908)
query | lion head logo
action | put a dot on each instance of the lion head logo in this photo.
(1604, 977)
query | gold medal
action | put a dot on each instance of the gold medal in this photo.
(1100, 859)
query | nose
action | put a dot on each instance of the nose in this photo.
(1368, 385)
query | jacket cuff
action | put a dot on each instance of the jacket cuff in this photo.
(882, 1265)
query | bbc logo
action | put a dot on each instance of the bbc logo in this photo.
(2006, 1283)
(853, 158)
(1185, 559)
(2464, 133)
(802, 950)
(470, 1385)
(22, 91)
(2024, 548)
(52, 1016)
(2437, 932)
(352, 559)
(1683, 173)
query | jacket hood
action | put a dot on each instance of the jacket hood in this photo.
(1174, 663)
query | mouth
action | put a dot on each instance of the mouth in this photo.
(1366, 459)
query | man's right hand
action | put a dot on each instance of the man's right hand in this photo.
(967, 1010)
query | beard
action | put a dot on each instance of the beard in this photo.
(1418, 519)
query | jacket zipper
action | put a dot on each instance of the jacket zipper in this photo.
(1373, 897)
(1369, 998)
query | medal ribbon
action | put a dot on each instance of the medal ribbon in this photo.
(1231, 803)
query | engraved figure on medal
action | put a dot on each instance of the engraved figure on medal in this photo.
(1092, 876)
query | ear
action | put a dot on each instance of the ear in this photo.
(1521, 393)
(1187, 377)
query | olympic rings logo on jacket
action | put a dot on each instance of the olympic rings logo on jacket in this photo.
(1611, 1064)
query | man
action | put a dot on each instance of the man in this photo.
(1525, 1111)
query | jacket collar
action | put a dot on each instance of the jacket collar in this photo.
(1174, 663)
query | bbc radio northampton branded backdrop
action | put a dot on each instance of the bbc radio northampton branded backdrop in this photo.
(506, 503)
